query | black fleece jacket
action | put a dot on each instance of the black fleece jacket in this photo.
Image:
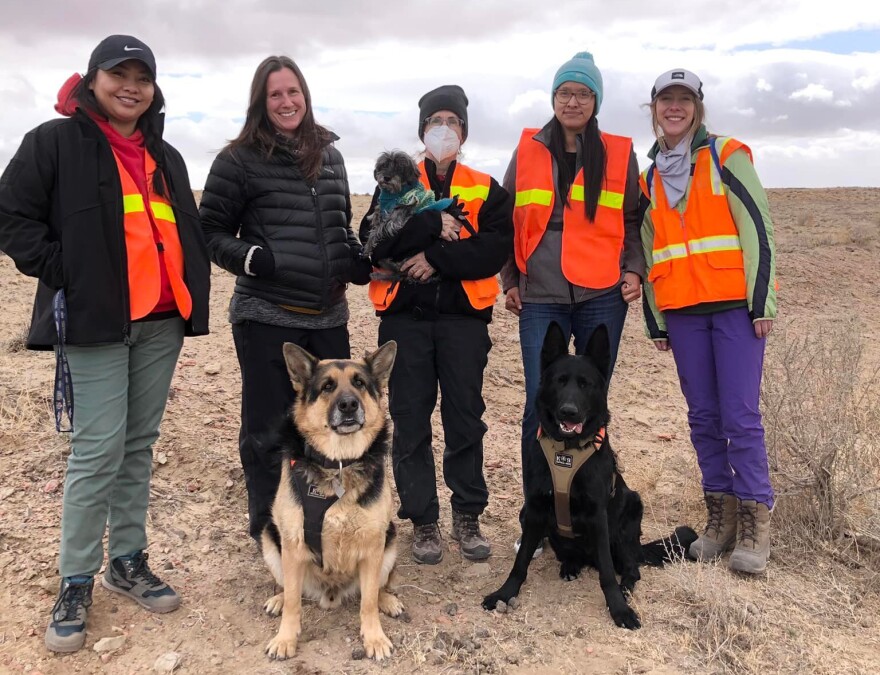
(477, 257)
(61, 221)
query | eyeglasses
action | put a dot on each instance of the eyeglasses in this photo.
(451, 122)
(583, 96)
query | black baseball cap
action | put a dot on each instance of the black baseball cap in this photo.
(113, 50)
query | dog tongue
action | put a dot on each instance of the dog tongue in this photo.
(568, 428)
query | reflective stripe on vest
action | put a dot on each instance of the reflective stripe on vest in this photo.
(142, 253)
(590, 250)
(696, 255)
(472, 189)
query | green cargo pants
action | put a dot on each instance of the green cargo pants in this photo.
(119, 394)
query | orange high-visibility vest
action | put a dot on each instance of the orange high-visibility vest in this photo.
(472, 188)
(590, 250)
(144, 276)
(696, 255)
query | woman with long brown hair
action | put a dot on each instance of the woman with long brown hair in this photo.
(276, 212)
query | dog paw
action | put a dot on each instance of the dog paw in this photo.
(274, 605)
(280, 648)
(330, 599)
(625, 617)
(569, 571)
(378, 646)
(490, 602)
(390, 604)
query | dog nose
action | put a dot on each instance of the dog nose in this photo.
(567, 411)
(347, 404)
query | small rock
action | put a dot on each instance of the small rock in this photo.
(51, 485)
(216, 661)
(161, 458)
(105, 658)
(168, 565)
(478, 570)
(358, 653)
(437, 658)
(512, 659)
(405, 617)
(581, 632)
(501, 607)
(451, 609)
(440, 645)
(514, 602)
(167, 662)
(481, 632)
(229, 483)
(212, 369)
(560, 632)
(206, 548)
(109, 644)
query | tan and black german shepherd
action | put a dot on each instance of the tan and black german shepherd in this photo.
(332, 533)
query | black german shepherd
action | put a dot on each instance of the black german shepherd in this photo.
(604, 528)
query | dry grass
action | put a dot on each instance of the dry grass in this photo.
(822, 416)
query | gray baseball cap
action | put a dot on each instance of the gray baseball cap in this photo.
(678, 76)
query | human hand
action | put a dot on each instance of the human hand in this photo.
(662, 345)
(512, 301)
(763, 328)
(631, 289)
(451, 226)
(418, 267)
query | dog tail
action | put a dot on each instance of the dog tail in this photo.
(673, 547)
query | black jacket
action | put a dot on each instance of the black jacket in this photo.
(253, 199)
(477, 257)
(61, 221)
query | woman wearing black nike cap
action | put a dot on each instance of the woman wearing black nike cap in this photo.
(98, 207)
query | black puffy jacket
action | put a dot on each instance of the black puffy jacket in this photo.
(61, 221)
(254, 199)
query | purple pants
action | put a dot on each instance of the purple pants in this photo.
(719, 363)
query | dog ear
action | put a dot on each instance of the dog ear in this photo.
(381, 362)
(555, 345)
(599, 349)
(300, 365)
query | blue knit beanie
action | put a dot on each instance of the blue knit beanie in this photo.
(580, 69)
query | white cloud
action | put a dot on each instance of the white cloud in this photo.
(368, 64)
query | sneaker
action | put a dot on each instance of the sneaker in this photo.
(427, 548)
(753, 538)
(720, 533)
(130, 575)
(67, 630)
(536, 554)
(466, 531)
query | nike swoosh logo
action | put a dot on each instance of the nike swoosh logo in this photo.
(126, 48)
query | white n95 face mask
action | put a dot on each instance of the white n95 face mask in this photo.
(442, 142)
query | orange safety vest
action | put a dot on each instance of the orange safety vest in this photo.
(142, 252)
(696, 255)
(472, 188)
(590, 250)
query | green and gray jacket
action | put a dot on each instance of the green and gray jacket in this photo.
(750, 210)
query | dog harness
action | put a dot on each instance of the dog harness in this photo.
(315, 503)
(564, 463)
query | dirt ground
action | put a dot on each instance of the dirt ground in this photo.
(805, 616)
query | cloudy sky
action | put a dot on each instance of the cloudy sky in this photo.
(798, 80)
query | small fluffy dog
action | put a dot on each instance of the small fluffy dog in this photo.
(401, 195)
(332, 533)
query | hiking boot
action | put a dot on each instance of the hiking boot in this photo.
(130, 575)
(67, 630)
(720, 533)
(753, 538)
(466, 531)
(535, 555)
(427, 549)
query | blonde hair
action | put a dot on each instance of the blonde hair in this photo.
(699, 118)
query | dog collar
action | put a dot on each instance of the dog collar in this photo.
(315, 457)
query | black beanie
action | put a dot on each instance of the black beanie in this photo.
(448, 97)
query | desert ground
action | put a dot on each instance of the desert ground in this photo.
(815, 611)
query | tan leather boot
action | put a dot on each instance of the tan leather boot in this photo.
(753, 538)
(720, 533)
